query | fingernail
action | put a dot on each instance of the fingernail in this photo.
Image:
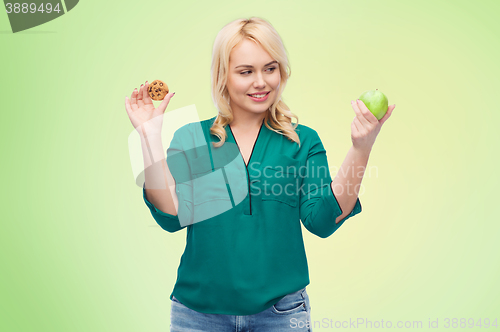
(174, 93)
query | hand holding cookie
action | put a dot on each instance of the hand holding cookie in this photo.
(145, 118)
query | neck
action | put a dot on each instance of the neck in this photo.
(248, 122)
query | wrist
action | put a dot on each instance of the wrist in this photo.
(149, 136)
(365, 152)
(148, 131)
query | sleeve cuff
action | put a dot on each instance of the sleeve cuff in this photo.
(167, 221)
(357, 208)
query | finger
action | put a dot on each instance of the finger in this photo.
(140, 103)
(165, 102)
(133, 100)
(359, 114)
(366, 112)
(127, 106)
(354, 129)
(358, 125)
(146, 98)
(387, 114)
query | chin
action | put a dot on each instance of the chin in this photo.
(260, 109)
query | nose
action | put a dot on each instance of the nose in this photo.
(259, 82)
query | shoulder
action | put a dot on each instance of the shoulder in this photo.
(310, 140)
(191, 127)
(306, 133)
(193, 134)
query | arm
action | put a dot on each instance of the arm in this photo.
(167, 190)
(159, 186)
(322, 207)
(347, 182)
(319, 208)
(364, 130)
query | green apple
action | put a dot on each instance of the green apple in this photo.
(376, 102)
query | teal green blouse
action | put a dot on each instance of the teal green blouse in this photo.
(244, 247)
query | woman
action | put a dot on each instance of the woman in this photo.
(244, 266)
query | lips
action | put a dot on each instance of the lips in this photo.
(259, 93)
(260, 99)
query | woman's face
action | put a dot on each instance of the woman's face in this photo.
(252, 71)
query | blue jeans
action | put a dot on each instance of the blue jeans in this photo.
(291, 313)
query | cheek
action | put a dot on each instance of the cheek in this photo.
(235, 87)
(240, 87)
(276, 80)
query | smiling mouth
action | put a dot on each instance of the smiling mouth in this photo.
(260, 95)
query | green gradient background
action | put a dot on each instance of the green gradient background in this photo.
(80, 250)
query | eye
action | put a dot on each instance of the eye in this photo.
(249, 71)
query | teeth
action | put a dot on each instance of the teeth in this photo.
(259, 96)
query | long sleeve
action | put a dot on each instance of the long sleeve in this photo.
(318, 205)
(179, 168)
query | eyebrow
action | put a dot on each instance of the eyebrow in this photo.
(267, 64)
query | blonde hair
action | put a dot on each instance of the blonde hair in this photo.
(278, 117)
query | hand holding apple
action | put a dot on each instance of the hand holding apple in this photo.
(365, 126)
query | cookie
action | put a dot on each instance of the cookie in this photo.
(157, 90)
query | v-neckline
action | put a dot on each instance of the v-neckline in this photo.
(254, 143)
